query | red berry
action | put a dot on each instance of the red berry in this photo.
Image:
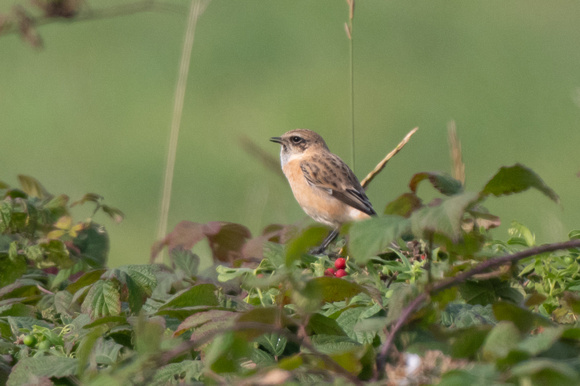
(329, 272)
(340, 263)
(340, 273)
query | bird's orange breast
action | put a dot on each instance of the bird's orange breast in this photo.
(316, 202)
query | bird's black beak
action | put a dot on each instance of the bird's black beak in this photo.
(276, 139)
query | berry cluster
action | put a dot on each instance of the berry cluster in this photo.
(339, 268)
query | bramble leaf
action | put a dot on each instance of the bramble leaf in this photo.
(515, 179)
(443, 182)
(372, 236)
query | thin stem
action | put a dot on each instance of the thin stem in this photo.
(195, 10)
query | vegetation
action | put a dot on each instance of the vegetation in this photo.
(427, 296)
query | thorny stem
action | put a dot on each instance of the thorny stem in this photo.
(451, 282)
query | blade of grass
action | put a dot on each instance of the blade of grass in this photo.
(196, 9)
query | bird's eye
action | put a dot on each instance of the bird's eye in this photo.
(295, 139)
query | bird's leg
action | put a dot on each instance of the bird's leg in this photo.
(320, 249)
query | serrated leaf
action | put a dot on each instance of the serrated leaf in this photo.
(185, 372)
(515, 179)
(185, 261)
(85, 280)
(28, 370)
(273, 343)
(444, 218)
(372, 236)
(443, 182)
(332, 344)
(103, 299)
(141, 282)
(348, 320)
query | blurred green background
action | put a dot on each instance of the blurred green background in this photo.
(91, 111)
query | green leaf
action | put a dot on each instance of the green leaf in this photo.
(334, 289)
(372, 236)
(273, 343)
(12, 269)
(198, 295)
(320, 324)
(443, 182)
(107, 320)
(185, 372)
(306, 240)
(445, 217)
(32, 187)
(149, 334)
(535, 344)
(404, 205)
(141, 282)
(515, 179)
(93, 243)
(85, 280)
(204, 317)
(503, 338)
(467, 342)
(28, 370)
(103, 299)
(475, 375)
(525, 320)
(543, 371)
(185, 261)
(488, 291)
(332, 344)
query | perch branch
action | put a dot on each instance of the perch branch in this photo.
(462, 277)
(367, 180)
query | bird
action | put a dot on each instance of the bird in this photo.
(324, 186)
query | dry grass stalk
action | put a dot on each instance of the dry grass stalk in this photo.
(367, 180)
(456, 155)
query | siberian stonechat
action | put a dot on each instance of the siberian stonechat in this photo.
(322, 183)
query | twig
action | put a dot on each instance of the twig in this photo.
(266, 158)
(445, 284)
(104, 13)
(367, 180)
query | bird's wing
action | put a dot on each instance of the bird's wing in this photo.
(329, 173)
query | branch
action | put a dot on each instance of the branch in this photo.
(367, 180)
(23, 21)
(462, 277)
